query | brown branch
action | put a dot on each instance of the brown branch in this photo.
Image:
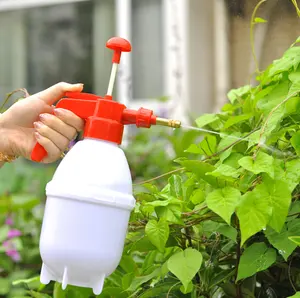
(238, 257)
(207, 158)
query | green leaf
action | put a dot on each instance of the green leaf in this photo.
(294, 76)
(38, 295)
(263, 163)
(159, 290)
(281, 240)
(193, 148)
(294, 211)
(187, 290)
(209, 227)
(23, 201)
(5, 285)
(109, 292)
(223, 202)
(291, 173)
(295, 239)
(206, 119)
(294, 89)
(276, 96)
(200, 168)
(279, 196)
(138, 281)
(234, 94)
(127, 280)
(171, 213)
(127, 263)
(208, 145)
(185, 265)
(158, 233)
(254, 213)
(176, 186)
(290, 59)
(295, 141)
(297, 295)
(225, 170)
(197, 197)
(58, 292)
(257, 257)
(237, 119)
(259, 20)
(224, 143)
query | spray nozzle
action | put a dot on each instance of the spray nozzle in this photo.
(105, 118)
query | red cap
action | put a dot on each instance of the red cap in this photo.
(119, 45)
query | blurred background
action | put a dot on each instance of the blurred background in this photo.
(188, 51)
(186, 55)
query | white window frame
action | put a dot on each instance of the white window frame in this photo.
(7, 5)
(124, 80)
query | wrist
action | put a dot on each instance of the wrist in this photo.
(6, 152)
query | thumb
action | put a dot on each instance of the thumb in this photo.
(56, 92)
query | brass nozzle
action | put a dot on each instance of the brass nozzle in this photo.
(168, 122)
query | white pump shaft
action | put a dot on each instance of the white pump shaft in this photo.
(112, 79)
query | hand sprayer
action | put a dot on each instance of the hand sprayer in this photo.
(89, 199)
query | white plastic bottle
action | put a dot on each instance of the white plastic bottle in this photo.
(89, 202)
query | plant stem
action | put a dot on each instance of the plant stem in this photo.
(158, 177)
(238, 257)
(9, 95)
(296, 6)
(188, 236)
(252, 35)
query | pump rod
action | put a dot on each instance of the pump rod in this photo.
(112, 79)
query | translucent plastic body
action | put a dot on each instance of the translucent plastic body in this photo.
(89, 202)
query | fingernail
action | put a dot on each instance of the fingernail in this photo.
(37, 135)
(44, 116)
(58, 112)
(79, 85)
(37, 124)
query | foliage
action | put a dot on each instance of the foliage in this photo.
(225, 224)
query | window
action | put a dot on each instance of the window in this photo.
(59, 43)
(45, 44)
(147, 49)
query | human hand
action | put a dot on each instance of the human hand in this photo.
(30, 120)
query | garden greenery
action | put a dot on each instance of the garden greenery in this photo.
(224, 224)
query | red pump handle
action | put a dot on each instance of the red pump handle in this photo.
(105, 118)
(39, 153)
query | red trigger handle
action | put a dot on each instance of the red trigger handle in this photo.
(81, 104)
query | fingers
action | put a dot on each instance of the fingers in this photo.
(54, 133)
(56, 92)
(70, 118)
(61, 142)
(52, 150)
(64, 122)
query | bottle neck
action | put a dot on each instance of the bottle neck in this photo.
(89, 139)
